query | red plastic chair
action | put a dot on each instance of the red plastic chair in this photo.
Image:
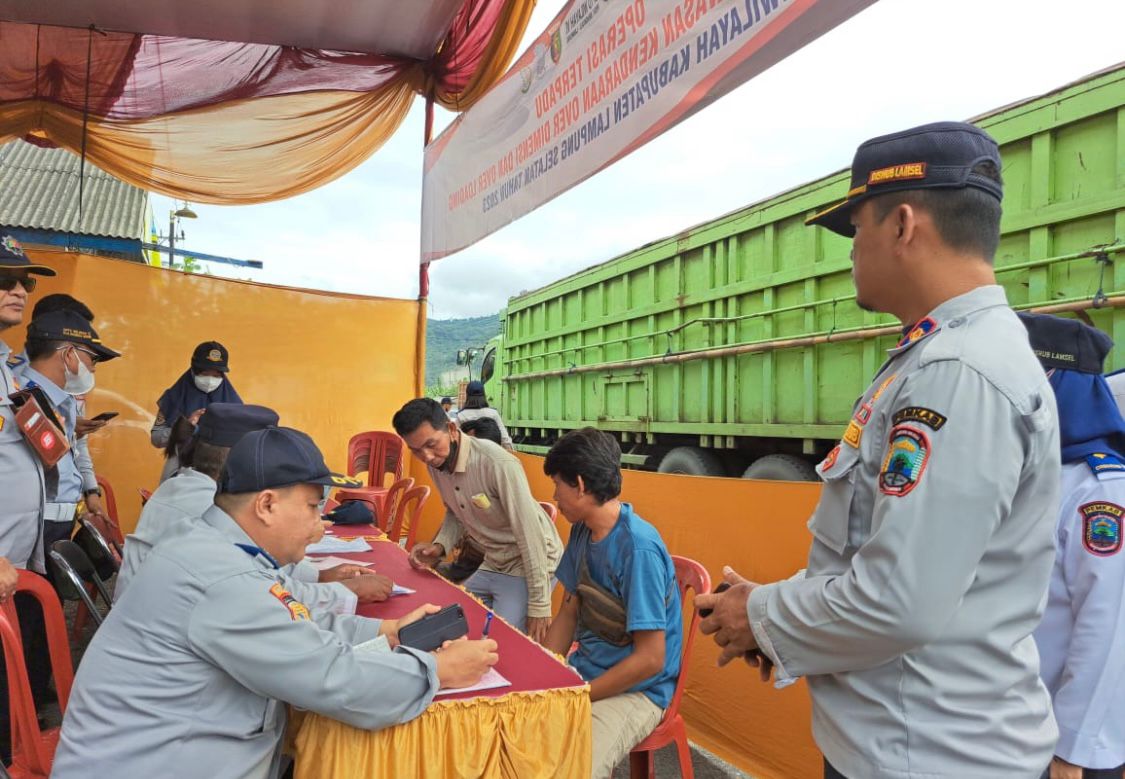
(392, 501)
(33, 749)
(691, 576)
(114, 532)
(379, 453)
(405, 515)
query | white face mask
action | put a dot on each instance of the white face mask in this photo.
(77, 383)
(206, 384)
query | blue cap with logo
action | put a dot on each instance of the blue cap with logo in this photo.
(12, 257)
(69, 326)
(224, 424)
(210, 355)
(941, 155)
(277, 457)
(1064, 343)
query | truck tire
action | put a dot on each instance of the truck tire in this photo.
(781, 467)
(692, 461)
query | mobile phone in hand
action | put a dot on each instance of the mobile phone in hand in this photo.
(433, 630)
(705, 613)
(105, 416)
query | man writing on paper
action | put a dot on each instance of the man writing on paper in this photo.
(189, 674)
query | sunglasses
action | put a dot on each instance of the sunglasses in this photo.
(8, 283)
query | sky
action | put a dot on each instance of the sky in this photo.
(896, 64)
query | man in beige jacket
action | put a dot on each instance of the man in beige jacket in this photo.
(486, 496)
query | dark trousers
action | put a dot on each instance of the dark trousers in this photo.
(1096, 773)
(832, 773)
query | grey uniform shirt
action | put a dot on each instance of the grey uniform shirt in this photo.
(174, 510)
(21, 483)
(487, 495)
(469, 414)
(189, 675)
(932, 548)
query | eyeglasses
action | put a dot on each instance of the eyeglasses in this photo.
(8, 283)
(93, 355)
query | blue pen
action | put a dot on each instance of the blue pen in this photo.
(487, 625)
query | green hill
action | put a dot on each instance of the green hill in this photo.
(445, 336)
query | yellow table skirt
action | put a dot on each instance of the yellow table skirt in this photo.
(521, 735)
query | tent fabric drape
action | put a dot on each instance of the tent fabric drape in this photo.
(235, 123)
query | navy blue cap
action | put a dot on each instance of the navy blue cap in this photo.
(69, 326)
(277, 457)
(210, 356)
(224, 424)
(1066, 343)
(12, 257)
(475, 388)
(934, 156)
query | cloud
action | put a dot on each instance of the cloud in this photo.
(896, 64)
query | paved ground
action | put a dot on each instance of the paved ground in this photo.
(703, 763)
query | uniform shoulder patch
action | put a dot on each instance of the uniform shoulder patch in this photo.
(907, 454)
(1101, 527)
(920, 330)
(297, 610)
(830, 460)
(927, 416)
(853, 434)
(1103, 462)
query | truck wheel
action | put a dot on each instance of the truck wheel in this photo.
(781, 467)
(692, 461)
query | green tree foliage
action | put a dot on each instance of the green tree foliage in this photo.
(444, 337)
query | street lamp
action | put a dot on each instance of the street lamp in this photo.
(173, 217)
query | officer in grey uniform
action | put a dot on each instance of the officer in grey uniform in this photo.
(21, 473)
(178, 503)
(189, 674)
(932, 541)
(1082, 636)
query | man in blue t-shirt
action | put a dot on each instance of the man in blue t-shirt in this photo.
(621, 599)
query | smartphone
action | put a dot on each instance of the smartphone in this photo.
(705, 613)
(433, 630)
(105, 416)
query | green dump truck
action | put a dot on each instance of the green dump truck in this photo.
(736, 347)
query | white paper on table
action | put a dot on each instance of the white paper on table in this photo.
(490, 681)
(398, 589)
(328, 545)
(324, 563)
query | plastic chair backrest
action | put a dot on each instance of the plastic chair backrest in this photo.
(551, 509)
(405, 515)
(29, 748)
(391, 501)
(109, 500)
(378, 452)
(690, 575)
(76, 567)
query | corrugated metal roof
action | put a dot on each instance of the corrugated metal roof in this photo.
(39, 190)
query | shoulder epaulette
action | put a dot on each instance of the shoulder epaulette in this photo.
(1103, 462)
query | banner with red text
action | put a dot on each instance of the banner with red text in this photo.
(606, 77)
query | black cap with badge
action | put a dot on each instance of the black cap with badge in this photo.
(69, 326)
(1066, 343)
(12, 257)
(274, 458)
(941, 155)
(210, 355)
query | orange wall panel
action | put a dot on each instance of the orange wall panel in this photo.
(329, 364)
(758, 528)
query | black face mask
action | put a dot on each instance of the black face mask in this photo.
(451, 460)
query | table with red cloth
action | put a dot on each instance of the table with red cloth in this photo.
(537, 727)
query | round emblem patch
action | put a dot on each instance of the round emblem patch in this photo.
(906, 458)
(1101, 528)
(215, 355)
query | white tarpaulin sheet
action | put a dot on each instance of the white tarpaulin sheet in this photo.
(606, 77)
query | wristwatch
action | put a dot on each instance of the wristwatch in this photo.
(96, 491)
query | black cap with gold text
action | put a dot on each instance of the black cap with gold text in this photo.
(941, 155)
(69, 326)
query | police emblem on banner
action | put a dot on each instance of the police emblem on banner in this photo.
(905, 461)
(1101, 528)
